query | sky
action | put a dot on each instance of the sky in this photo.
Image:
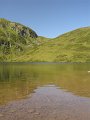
(48, 18)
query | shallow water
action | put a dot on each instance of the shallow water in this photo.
(44, 91)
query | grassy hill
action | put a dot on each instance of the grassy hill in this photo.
(15, 39)
(73, 46)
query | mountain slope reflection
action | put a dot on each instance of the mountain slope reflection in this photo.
(17, 81)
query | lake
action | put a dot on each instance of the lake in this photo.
(44, 91)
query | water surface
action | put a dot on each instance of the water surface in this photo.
(54, 91)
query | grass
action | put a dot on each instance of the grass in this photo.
(73, 46)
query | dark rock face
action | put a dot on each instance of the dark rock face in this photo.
(23, 30)
(20, 29)
(15, 37)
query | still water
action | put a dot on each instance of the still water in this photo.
(46, 91)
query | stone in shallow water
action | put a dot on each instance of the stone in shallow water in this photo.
(31, 111)
(37, 113)
(1, 115)
(34, 112)
(12, 111)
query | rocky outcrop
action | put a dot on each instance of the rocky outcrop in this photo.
(20, 29)
(15, 37)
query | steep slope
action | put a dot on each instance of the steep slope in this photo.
(73, 46)
(15, 39)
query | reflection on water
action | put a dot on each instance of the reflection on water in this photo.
(19, 80)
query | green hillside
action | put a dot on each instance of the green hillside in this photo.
(73, 46)
(15, 39)
(20, 43)
(13, 30)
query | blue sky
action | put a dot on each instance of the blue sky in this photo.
(48, 18)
